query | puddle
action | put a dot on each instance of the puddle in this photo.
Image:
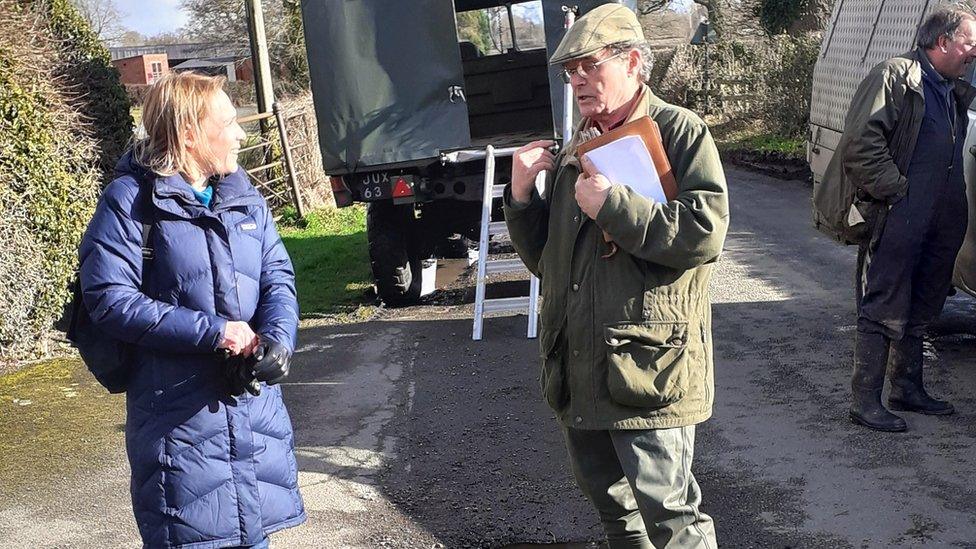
(448, 271)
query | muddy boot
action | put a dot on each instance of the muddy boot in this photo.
(870, 361)
(907, 389)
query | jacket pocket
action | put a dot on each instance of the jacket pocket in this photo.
(552, 380)
(868, 211)
(647, 363)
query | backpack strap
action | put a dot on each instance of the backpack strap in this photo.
(147, 227)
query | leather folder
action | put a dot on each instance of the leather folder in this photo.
(650, 134)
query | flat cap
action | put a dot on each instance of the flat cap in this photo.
(604, 25)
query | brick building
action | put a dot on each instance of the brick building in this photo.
(224, 58)
(142, 69)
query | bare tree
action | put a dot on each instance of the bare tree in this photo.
(132, 38)
(104, 17)
(226, 21)
(164, 39)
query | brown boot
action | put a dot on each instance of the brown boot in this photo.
(907, 388)
(870, 361)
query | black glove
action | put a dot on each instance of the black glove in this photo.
(271, 362)
(240, 374)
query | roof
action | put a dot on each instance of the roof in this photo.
(182, 51)
(202, 64)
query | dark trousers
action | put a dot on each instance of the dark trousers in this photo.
(905, 272)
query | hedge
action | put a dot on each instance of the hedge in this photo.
(63, 121)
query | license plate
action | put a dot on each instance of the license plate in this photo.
(374, 186)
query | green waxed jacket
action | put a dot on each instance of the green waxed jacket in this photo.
(626, 341)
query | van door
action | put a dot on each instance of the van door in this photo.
(386, 80)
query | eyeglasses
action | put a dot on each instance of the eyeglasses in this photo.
(586, 67)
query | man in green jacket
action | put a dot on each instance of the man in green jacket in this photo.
(896, 186)
(625, 340)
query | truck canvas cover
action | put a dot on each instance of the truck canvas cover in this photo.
(382, 74)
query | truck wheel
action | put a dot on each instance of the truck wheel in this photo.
(396, 270)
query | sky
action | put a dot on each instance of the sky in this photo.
(151, 17)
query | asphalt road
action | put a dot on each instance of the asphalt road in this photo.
(412, 435)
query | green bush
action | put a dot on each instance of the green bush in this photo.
(57, 134)
(87, 67)
(777, 16)
(766, 81)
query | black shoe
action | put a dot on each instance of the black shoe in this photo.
(907, 387)
(870, 361)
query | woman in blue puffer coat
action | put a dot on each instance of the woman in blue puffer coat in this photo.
(212, 465)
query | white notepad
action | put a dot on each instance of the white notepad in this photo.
(627, 162)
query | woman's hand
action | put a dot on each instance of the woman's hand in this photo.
(239, 338)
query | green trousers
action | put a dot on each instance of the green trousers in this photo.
(641, 484)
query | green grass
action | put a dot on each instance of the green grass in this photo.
(328, 249)
(752, 137)
(773, 143)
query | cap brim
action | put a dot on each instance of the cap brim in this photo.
(562, 57)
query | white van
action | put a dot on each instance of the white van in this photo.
(861, 34)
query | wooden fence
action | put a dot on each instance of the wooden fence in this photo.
(268, 157)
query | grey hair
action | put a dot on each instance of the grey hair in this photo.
(647, 56)
(943, 21)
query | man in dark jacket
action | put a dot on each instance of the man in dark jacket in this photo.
(626, 338)
(902, 155)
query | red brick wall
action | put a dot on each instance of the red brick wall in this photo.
(131, 70)
(160, 58)
(138, 70)
(245, 70)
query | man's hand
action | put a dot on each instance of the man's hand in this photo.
(239, 338)
(592, 189)
(527, 162)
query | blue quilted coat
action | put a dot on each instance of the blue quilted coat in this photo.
(208, 469)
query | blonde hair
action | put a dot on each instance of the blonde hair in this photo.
(174, 104)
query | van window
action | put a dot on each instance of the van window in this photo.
(489, 31)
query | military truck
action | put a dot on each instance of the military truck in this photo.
(399, 86)
(861, 34)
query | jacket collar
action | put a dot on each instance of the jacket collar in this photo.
(174, 195)
(928, 70)
(914, 76)
(965, 93)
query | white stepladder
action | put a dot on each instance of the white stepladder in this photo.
(528, 304)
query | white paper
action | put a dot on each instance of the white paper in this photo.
(626, 161)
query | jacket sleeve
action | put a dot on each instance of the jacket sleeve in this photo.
(528, 226)
(276, 317)
(871, 121)
(682, 233)
(111, 273)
